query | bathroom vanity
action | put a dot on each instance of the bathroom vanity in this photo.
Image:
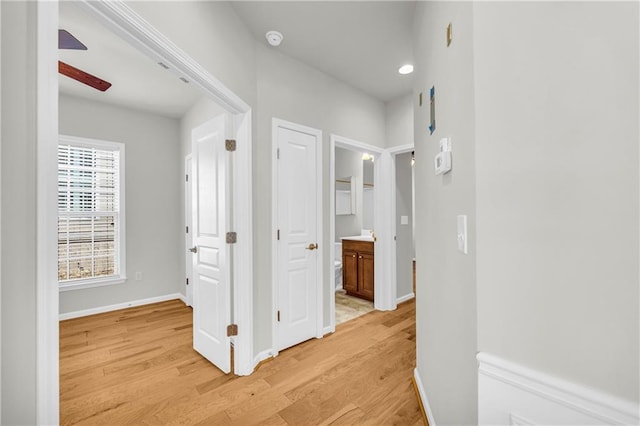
(357, 266)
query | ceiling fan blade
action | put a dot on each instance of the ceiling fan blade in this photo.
(67, 41)
(83, 77)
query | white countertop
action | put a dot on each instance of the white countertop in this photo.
(359, 238)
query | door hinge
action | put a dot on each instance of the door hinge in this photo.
(186, 229)
(187, 280)
(232, 330)
(232, 238)
(278, 316)
(278, 235)
(278, 154)
(186, 178)
(230, 145)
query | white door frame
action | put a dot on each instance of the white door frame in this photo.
(278, 123)
(384, 285)
(188, 239)
(122, 20)
(393, 260)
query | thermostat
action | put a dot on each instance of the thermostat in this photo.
(442, 161)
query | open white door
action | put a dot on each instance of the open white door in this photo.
(210, 260)
(297, 262)
(188, 219)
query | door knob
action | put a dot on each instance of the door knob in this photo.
(312, 246)
(194, 249)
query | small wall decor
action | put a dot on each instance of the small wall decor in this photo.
(432, 113)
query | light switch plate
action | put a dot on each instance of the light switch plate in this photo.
(404, 220)
(462, 233)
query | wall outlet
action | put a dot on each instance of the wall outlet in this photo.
(138, 276)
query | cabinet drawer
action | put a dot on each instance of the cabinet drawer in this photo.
(357, 246)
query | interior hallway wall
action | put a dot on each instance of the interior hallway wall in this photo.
(18, 280)
(446, 322)
(556, 92)
(152, 204)
(399, 121)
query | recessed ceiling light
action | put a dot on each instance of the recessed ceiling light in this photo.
(406, 69)
(274, 38)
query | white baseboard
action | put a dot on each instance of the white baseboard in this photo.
(405, 297)
(266, 354)
(423, 398)
(511, 394)
(117, 306)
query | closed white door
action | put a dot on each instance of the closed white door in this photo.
(210, 258)
(297, 223)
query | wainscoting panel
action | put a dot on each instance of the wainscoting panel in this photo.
(510, 394)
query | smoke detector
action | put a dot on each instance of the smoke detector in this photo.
(274, 38)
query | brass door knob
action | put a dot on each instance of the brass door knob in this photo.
(312, 246)
(194, 249)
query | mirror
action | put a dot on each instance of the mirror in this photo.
(367, 194)
(345, 196)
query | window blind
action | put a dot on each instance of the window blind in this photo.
(88, 212)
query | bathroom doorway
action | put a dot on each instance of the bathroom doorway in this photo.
(354, 233)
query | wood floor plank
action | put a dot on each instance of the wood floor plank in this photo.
(137, 366)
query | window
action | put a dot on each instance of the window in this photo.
(90, 213)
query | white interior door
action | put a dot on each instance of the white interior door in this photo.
(210, 259)
(188, 219)
(297, 222)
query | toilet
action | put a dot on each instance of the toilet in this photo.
(338, 265)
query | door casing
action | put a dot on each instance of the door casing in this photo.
(188, 239)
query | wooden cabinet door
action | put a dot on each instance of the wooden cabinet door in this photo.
(350, 272)
(365, 275)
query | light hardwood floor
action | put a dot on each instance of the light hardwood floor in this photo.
(137, 366)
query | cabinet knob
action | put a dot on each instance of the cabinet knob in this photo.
(360, 257)
(353, 255)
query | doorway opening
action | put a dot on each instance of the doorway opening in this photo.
(404, 222)
(354, 233)
(123, 21)
(379, 236)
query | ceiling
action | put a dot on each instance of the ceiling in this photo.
(362, 43)
(138, 82)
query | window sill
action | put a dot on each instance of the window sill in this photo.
(90, 283)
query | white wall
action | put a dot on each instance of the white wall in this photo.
(399, 121)
(18, 194)
(211, 33)
(153, 203)
(556, 100)
(349, 163)
(446, 278)
(404, 233)
(537, 94)
(292, 91)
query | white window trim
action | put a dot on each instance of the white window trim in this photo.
(122, 277)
